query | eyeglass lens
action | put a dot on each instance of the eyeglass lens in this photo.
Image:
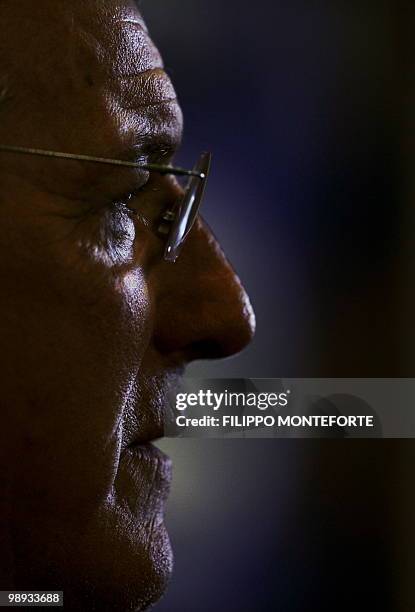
(187, 209)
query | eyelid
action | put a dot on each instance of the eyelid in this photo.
(162, 155)
(148, 203)
(133, 190)
(128, 197)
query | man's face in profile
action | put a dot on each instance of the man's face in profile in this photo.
(94, 324)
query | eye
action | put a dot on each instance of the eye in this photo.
(125, 201)
(145, 204)
(129, 200)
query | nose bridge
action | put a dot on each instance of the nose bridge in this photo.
(202, 309)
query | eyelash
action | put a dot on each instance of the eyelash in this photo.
(157, 155)
(126, 198)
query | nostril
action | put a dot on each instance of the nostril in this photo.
(216, 330)
(230, 334)
(205, 349)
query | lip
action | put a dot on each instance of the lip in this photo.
(147, 456)
(144, 472)
(146, 451)
(150, 431)
(149, 408)
(143, 481)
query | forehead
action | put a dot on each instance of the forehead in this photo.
(111, 33)
(87, 67)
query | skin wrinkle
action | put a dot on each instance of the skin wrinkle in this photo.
(161, 124)
(158, 91)
(136, 23)
(129, 48)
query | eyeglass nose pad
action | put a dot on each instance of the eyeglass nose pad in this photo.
(166, 220)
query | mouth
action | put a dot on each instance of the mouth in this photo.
(144, 472)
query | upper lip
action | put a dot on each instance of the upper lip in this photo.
(154, 431)
(148, 416)
(151, 427)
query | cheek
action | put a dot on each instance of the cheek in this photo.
(75, 328)
(134, 293)
(104, 343)
(77, 347)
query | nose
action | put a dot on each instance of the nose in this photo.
(202, 309)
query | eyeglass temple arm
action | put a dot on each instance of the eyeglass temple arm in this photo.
(160, 169)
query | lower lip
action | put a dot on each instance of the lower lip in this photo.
(144, 478)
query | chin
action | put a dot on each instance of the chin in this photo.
(109, 563)
(125, 566)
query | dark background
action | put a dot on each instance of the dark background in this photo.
(308, 110)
